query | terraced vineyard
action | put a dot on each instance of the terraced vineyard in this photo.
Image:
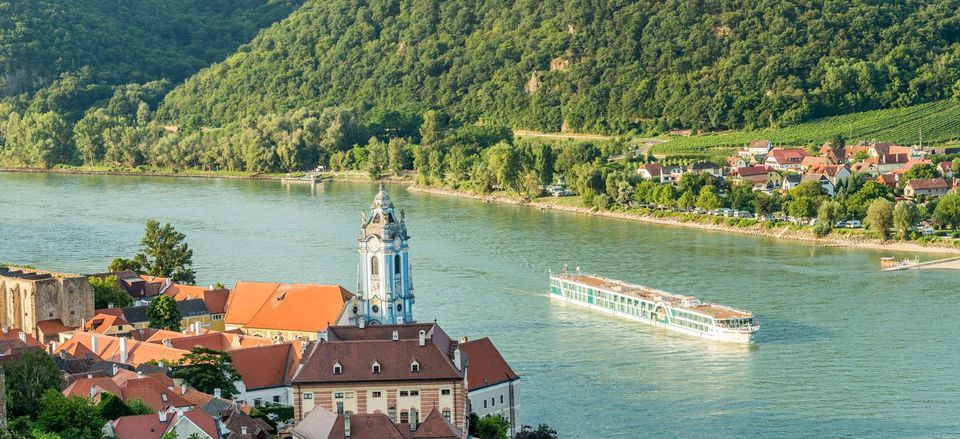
(938, 121)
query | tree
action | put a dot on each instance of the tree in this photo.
(708, 198)
(27, 378)
(110, 407)
(765, 204)
(121, 264)
(687, 200)
(625, 193)
(947, 212)
(492, 427)
(858, 202)
(431, 128)
(206, 370)
(399, 158)
(666, 195)
(70, 417)
(829, 213)
(163, 253)
(802, 207)
(106, 292)
(923, 170)
(880, 217)
(138, 407)
(163, 313)
(905, 217)
(377, 158)
(541, 432)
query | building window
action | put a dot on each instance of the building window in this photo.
(338, 395)
(257, 402)
(493, 402)
(444, 392)
(337, 369)
(404, 417)
(276, 398)
(396, 264)
(392, 413)
(414, 393)
(484, 403)
(376, 309)
(374, 266)
(399, 307)
(376, 395)
(217, 316)
(339, 407)
(404, 393)
(446, 414)
(414, 367)
(376, 367)
(501, 399)
(308, 395)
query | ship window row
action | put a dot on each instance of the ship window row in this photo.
(693, 317)
(691, 325)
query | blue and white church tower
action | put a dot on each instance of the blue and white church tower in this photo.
(384, 287)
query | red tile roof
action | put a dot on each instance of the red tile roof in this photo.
(927, 183)
(788, 156)
(53, 326)
(101, 323)
(108, 348)
(292, 307)
(435, 426)
(215, 299)
(486, 366)
(395, 358)
(750, 171)
(19, 337)
(266, 366)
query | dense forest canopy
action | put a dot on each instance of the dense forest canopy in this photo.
(119, 42)
(594, 66)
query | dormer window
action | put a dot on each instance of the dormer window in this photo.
(376, 367)
(337, 369)
(415, 366)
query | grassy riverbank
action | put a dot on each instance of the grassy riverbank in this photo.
(149, 171)
(840, 237)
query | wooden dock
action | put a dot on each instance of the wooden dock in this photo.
(946, 263)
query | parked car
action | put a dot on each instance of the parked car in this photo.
(854, 224)
(742, 214)
(840, 224)
(727, 211)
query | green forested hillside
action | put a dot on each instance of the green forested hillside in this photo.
(123, 42)
(594, 66)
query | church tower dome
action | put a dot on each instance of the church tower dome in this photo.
(384, 286)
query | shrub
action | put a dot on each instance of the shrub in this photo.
(821, 229)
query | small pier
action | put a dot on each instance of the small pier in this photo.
(947, 263)
(309, 178)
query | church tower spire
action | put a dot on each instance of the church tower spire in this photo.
(385, 290)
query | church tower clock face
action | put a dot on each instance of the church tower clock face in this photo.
(373, 245)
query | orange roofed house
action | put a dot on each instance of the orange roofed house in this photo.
(493, 385)
(284, 311)
(401, 371)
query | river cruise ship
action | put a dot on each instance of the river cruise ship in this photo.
(684, 314)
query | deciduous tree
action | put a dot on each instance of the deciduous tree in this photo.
(880, 217)
(207, 370)
(163, 313)
(163, 253)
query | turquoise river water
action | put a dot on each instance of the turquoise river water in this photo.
(844, 350)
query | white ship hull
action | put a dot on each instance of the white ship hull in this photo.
(716, 334)
(683, 314)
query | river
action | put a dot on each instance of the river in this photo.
(844, 350)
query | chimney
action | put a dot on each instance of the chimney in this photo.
(115, 370)
(243, 429)
(346, 425)
(93, 344)
(216, 393)
(212, 288)
(110, 305)
(139, 374)
(361, 323)
(183, 389)
(163, 417)
(396, 335)
(23, 336)
(5, 329)
(160, 363)
(423, 338)
(93, 390)
(464, 339)
(63, 355)
(166, 342)
(123, 349)
(456, 359)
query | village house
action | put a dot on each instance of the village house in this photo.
(183, 425)
(889, 179)
(832, 155)
(736, 162)
(108, 322)
(828, 187)
(887, 162)
(926, 187)
(44, 303)
(404, 371)
(157, 391)
(284, 311)
(865, 168)
(757, 148)
(946, 169)
(118, 349)
(706, 167)
(758, 175)
(786, 159)
(192, 311)
(266, 373)
(651, 171)
(493, 385)
(835, 173)
(214, 300)
(323, 424)
(791, 181)
(811, 161)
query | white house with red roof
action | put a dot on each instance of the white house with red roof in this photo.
(196, 424)
(493, 385)
(786, 159)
